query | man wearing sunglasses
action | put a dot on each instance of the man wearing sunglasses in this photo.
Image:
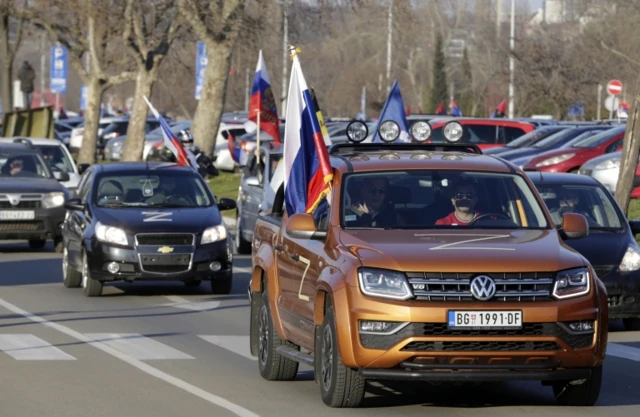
(372, 208)
(464, 200)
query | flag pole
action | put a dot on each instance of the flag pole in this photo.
(258, 134)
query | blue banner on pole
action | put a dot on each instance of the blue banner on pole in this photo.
(59, 61)
(83, 97)
(201, 64)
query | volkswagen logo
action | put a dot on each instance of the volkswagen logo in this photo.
(483, 287)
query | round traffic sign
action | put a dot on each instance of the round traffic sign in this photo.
(614, 87)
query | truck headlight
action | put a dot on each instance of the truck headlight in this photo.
(384, 283)
(630, 260)
(571, 283)
(608, 164)
(51, 200)
(111, 234)
(555, 160)
(214, 234)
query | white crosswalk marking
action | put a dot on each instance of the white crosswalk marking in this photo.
(235, 344)
(623, 351)
(183, 303)
(27, 347)
(138, 347)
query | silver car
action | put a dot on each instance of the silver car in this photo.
(604, 168)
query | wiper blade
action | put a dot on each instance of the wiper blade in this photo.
(163, 205)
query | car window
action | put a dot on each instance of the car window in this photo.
(614, 146)
(532, 137)
(84, 186)
(511, 133)
(418, 199)
(57, 159)
(160, 189)
(599, 139)
(593, 202)
(23, 165)
(274, 160)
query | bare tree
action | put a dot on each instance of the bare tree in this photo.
(91, 31)
(217, 24)
(8, 49)
(150, 29)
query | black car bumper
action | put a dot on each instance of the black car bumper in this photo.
(153, 263)
(46, 224)
(623, 293)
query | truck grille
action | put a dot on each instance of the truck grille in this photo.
(438, 286)
(492, 346)
(20, 205)
(165, 264)
(171, 239)
(18, 226)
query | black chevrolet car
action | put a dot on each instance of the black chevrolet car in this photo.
(145, 221)
(610, 246)
(31, 198)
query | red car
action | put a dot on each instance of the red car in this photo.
(571, 159)
(486, 133)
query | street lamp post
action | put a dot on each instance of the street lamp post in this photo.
(511, 59)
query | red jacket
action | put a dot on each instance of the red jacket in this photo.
(452, 220)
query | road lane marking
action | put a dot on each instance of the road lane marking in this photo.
(138, 346)
(623, 351)
(242, 269)
(179, 302)
(27, 347)
(235, 344)
(142, 366)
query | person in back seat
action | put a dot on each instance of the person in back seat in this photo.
(372, 208)
(464, 200)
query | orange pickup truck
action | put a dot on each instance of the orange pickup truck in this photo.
(428, 262)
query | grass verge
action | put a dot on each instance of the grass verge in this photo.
(225, 185)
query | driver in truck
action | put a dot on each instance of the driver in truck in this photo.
(464, 200)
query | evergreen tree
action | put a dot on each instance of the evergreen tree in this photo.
(439, 89)
(466, 101)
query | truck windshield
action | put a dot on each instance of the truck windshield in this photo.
(160, 189)
(425, 199)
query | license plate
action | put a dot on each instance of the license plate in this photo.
(485, 320)
(17, 215)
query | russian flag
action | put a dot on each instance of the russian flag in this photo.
(307, 171)
(262, 101)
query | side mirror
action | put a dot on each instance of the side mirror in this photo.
(82, 168)
(74, 204)
(302, 226)
(574, 226)
(635, 227)
(61, 176)
(253, 182)
(226, 204)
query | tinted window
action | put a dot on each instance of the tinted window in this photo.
(56, 158)
(27, 165)
(532, 137)
(511, 133)
(599, 139)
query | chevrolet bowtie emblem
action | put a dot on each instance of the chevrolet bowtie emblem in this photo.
(165, 249)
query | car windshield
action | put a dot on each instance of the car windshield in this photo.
(555, 139)
(424, 199)
(532, 137)
(592, 201)
(27, 165)
(580, 138)
(160, 189)
(599, 139)
(57, 159)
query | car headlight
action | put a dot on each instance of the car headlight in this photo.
(384, 283)
(51, 200)
(555, 160)
(608, 164)
(630, 260)
(214, 234)
(571, 283)
(111, 234)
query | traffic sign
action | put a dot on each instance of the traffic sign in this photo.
(614, 87)
(611, 103)
(58, 71)
(201, 64)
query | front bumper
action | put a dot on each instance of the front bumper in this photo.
(623, 293)
(147, 263)
(46, 224)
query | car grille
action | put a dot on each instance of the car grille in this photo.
(18, 226)
(603, 270)
(165, 264)
(437, 286)
(21, 205)
(174, 239)
(492, 346)
(614, 300)
(25, 201)
(576, 341)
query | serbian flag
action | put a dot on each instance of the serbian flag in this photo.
(500, 110)
(455, 110)
(234, 147)
(307, 171)
(262, 101)
(183, 157)
(440, 111)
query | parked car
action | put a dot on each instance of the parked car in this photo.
(606, 169)
(526, 140)
(485, 133)
(570, 159)
(610, 246)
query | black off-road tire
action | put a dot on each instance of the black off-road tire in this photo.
(341, 387)
(70, 277)
(582, 395)
(90, 287)
(273, 366)
(631, 323)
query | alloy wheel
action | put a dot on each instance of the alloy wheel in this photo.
(263, 330)
(327, 358)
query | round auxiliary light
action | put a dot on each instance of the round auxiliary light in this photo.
(357, 131)
(420, 131)
(389, 131)
(113, 268)
(215, 266)
(453, 131)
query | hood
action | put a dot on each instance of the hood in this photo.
(591, 247)
(22, 185)
(556, 152)
(155, 220)
(464, 250)
(519, 153)
(591, 163)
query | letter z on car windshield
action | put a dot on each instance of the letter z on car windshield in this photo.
(159, 189)
(428, 199)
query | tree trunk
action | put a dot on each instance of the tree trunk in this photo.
(134, 144)
(6, 57)
(210, 107)
(629, 157)
(91, 122)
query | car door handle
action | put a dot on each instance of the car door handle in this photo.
(279, 248)
(295, 257)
